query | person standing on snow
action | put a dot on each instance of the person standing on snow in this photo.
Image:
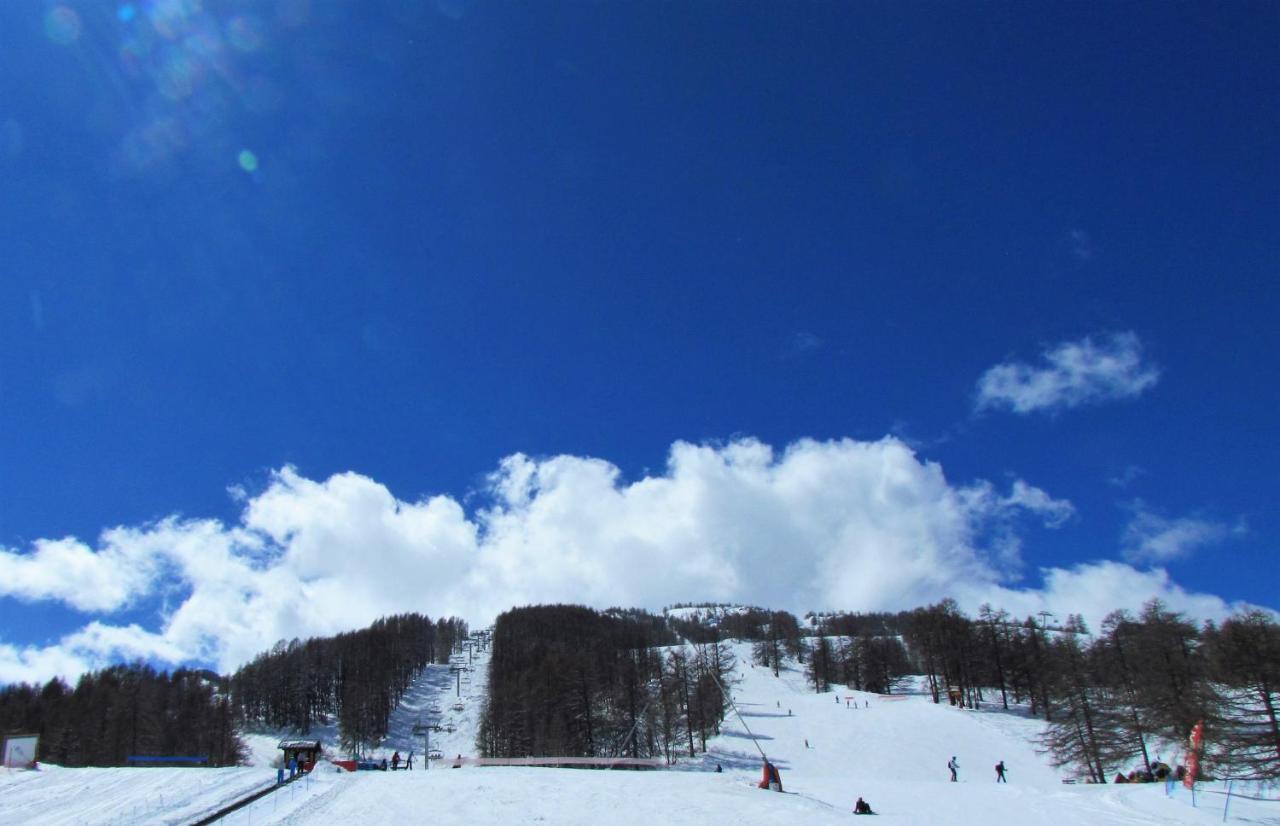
(1000, 772)
(953, 765)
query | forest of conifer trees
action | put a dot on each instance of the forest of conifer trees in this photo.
(356, 678)
(572, 681)
(1108, 699)
(125, 711)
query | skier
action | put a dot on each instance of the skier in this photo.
(408, 761)
(1000, 772)
(395, 761)
(953, 765)
(862, 808)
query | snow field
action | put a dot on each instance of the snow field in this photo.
(892, 753)
(56, 796)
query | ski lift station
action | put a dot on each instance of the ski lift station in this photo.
(306, 752)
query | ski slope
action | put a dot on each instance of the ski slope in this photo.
(57, 796)
(891, 752)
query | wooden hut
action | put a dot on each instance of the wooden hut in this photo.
(306, 752)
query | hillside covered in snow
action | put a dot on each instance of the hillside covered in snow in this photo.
(830, 748)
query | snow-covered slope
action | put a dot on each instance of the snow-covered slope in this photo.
(451, 700)
(891, 752)
(56, 795)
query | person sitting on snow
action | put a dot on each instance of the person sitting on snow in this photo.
(862, 808)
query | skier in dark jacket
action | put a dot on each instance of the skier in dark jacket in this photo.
(1000, 772)
(953, 766)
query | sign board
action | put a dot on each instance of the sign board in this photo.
(20, 750)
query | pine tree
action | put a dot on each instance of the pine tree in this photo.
(1244, 657)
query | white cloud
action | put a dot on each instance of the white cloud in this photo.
(70, 571)
(1126, 476)
(823, 525)
(92, 647)
(1095, 589)
(1075, 373)
(1150, 537)
(800, 343)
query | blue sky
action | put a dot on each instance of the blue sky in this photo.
(264, 260)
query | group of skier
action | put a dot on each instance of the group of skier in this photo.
(953, 766)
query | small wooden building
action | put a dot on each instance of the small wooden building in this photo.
(306, 752)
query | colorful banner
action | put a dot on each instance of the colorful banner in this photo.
(1193, 755)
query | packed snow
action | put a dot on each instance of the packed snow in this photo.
(892, 752)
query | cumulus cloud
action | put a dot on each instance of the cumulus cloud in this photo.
(1151, 537)
(824, 525)
(1095, 589)
(1074, 373)
(70, 571)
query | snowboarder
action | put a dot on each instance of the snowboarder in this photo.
(1000, 772)
(718, 768)
(395, 761)
(953, 766)
(806, 742)
(862, 808)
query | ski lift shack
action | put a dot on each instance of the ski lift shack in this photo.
(306, 752)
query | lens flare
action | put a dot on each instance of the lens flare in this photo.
(176, 75)
(62, 25)
(245, 32)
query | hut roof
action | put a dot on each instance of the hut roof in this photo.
(299, 744)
